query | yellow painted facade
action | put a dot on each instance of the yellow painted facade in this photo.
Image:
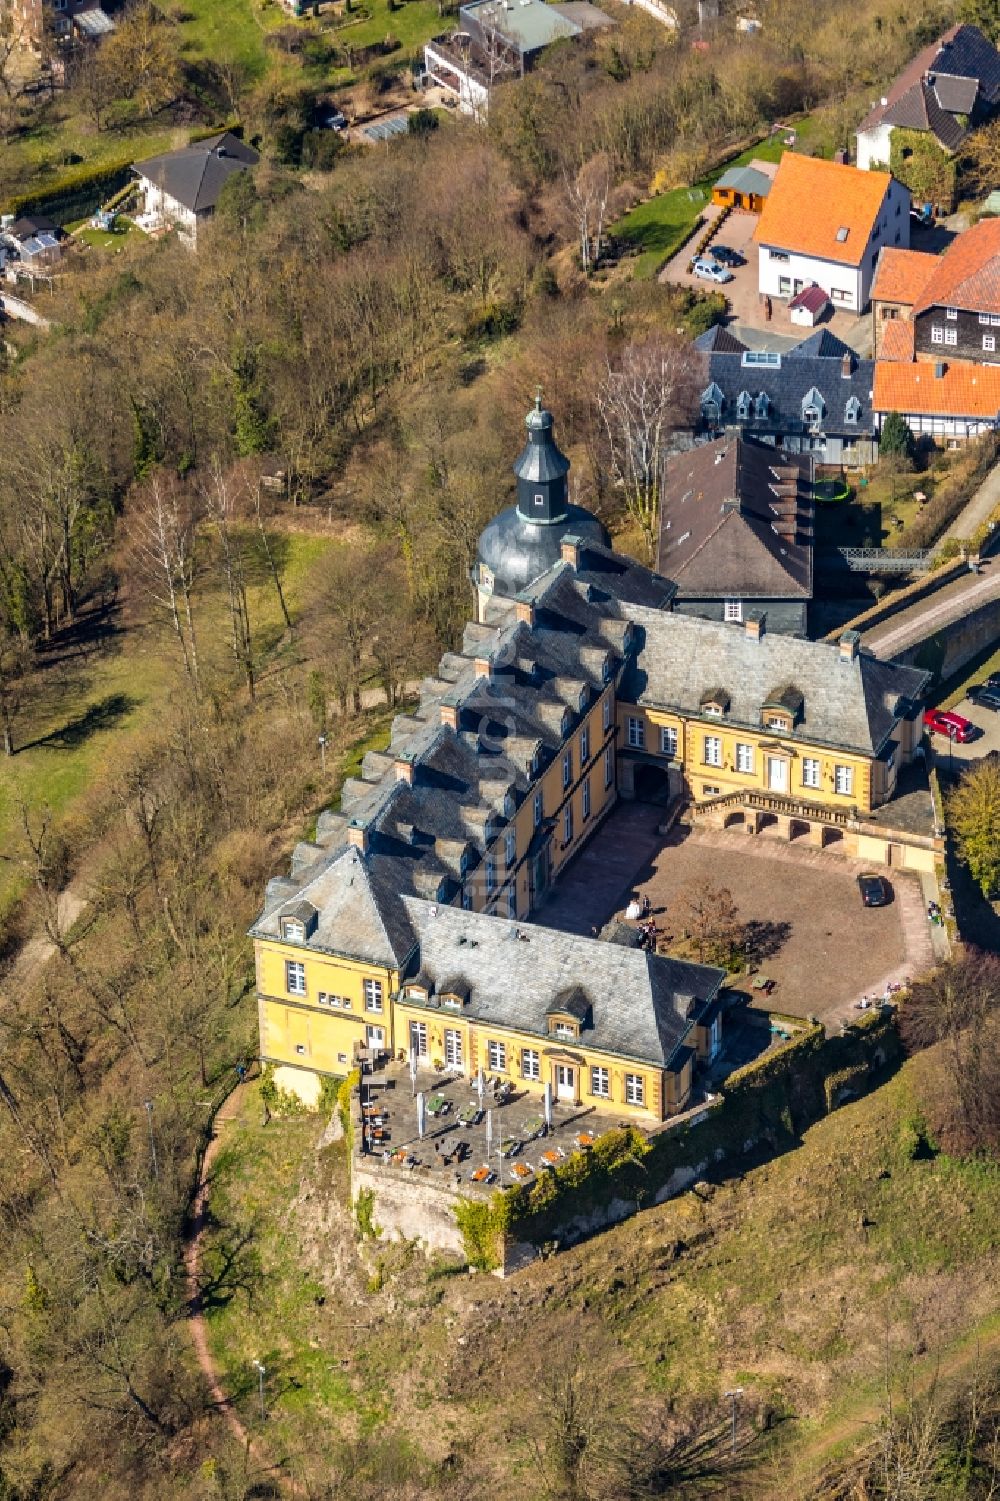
(343, 1003)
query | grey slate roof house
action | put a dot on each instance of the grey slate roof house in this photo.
(181, 188)
(815, 398)
(736, 532)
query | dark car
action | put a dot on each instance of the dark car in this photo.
(988, 695)
(727, 257)
(875, 891)
(331, 118)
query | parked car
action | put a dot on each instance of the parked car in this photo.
(986, 695)
(727, 257)
(947, 722)
(710, 270)
(875, 890)
(331, 118)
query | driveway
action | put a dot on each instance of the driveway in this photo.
(954, 758)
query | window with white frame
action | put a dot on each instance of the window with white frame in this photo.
(951, 312)
(496, 1056)
(566, 721)
(600, 1083)
(713, 750)
(568, 823)
(531, 1064)
(607, 713)
(609, 766)
(989, 343)
(564, 1032)
(300, 1048)
(295, 977)
(668, 740)
(567, 769)
(635, 1089)
(586, 799)
(937, 334)
(951, 336)
(338, 1002)
(810, 771)
(744, 757)
(510, 847)
(733, 609)
(584, 745)
(539, 808)
(708, 791)
(373, 995)
(491, 873)
(512, 900)
(636, 733)
(843, 780)
(984, 318)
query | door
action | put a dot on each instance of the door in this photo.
(452, 1048)
(418, 1039)
(565, 1082)
(539, 869)
(777, 774)
(376, 1037)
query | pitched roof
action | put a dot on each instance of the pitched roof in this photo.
(895, 340)
(33, 224)
(959, 58)
(851, 705)
(723, 505)
(967, 275)
(517, 974)
(901, 275)
(746, 180)
(719, 338)
(813, 299)
(822, 208)
(920, 109)
(196, 174)
(355, 918)
(816, 363)
(961, 391)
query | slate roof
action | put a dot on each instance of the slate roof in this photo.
(901, 275)
(967, 275)
(838, 197)
(847, 705)
(196, 174)
(962, 390)
(722, 505)
(516, 972)
(33, 224)
(965, 69)
(814, 363)
(746, 180)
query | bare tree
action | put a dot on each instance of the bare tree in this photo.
(220, 507)
(588, 192)
(641, 405)
(709, 915)
(957, 1011)
(15, 662)
(162, 523)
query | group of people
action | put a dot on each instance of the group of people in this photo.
(639, 910)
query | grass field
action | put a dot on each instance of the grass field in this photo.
(125, 233)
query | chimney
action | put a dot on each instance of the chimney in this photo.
(754, 626)
(524, 610)
(569, 550)
(846, 365)
(849, 646)
(404, 771)
(484, 667)
(449, 716)
(357, 837)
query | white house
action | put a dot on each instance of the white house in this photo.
(180, 189)
(824, 224)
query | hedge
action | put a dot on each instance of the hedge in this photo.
(79, 191)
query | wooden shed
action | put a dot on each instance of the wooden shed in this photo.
(742, 187)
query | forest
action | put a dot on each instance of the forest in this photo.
(240, 493)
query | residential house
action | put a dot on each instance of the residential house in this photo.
(947, 404)
(951, 301)
(736, 533)
(949, 88)
(900, 276)
(181, 189)
(406, 922)
(33, 240)
(824, 223)
(33, 20)
(745, 187)
(814, 398)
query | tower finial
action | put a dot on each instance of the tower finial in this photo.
(538, 397)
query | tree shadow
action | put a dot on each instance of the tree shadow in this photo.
(763, 939)
(233, 1266)
(102, 715)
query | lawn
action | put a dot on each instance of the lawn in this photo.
(124, 233)
(413, 24)
(661, 224)
(230, 31)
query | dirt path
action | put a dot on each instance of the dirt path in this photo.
(196, 1315)
(39, 950)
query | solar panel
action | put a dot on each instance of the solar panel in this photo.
(382, 130)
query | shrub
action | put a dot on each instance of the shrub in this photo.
(364, 1214)
(344, 1093)
(481, 1230)
(278, 1101)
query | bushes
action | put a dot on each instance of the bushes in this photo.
(962, 479)
(75, 193)
(482, 1231)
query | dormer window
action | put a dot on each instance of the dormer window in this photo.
(582, 700)
(607, 669)
(299, 924)
(712, 402)
(743, 406)
(564, 1031)
(780, 723)
(952, 313)
(852, 411)
(416, 993)
(508, 805)
(565, 722)
(452, 1002)
(293, 930)
(761, 406)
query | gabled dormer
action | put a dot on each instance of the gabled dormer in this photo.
(570, 1014)
(761, 406)
(852, 411)
(712, 404)
(743, 406)
(298, 924)
(813, 407)
(454, 994)
(715, 702)
(782, 710)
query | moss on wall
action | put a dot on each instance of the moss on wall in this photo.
(917, 161)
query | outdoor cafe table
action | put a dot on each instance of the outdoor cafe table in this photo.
(470, 1116)
(533, 1125)
(436, 1104)
(483, 1175)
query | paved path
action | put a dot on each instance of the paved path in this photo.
(978, 510)
(601, 878)
(932, 613)
(676, 268)
(15, 308)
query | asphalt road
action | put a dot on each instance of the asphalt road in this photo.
(933, 612)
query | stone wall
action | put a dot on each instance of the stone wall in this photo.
(407, 1206)
(952, 647)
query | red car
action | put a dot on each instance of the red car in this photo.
(947, 722)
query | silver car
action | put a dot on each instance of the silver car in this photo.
(710, 270)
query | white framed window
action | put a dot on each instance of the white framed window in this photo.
(531, 1064)
(539, 498)
(338, 1002)
(584, 745)
(810, 771)
(512, 900)
(373, 995)
(707, 791)
(496, 1056)
(600, 1083)
(635, 1089)
(733, 609)
(636, 733)
(566, 721)
(295, 977)
(951, 336)
(989, 342)
(567, 823)
(508, 805)
(491, 873)
(773, 722)
(606, 713)
(668, 740)
(984, 318)
(951, 313)
(510, 847)
(609, 766)
(843, 780)
(564, 1032)
(586, 799)
(995, 320)
(567, 775)
(295, 931)
(418, 1039)
(300, 1048)
(713, 750)
(452, 1048)
(539, 808)
(744, 757)
(937, 334)
(714, 711)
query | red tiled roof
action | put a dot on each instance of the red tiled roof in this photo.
(962, 391)
(813, 200)
(968, 274)
(813, 299)
(902, 274)
(895, 341)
